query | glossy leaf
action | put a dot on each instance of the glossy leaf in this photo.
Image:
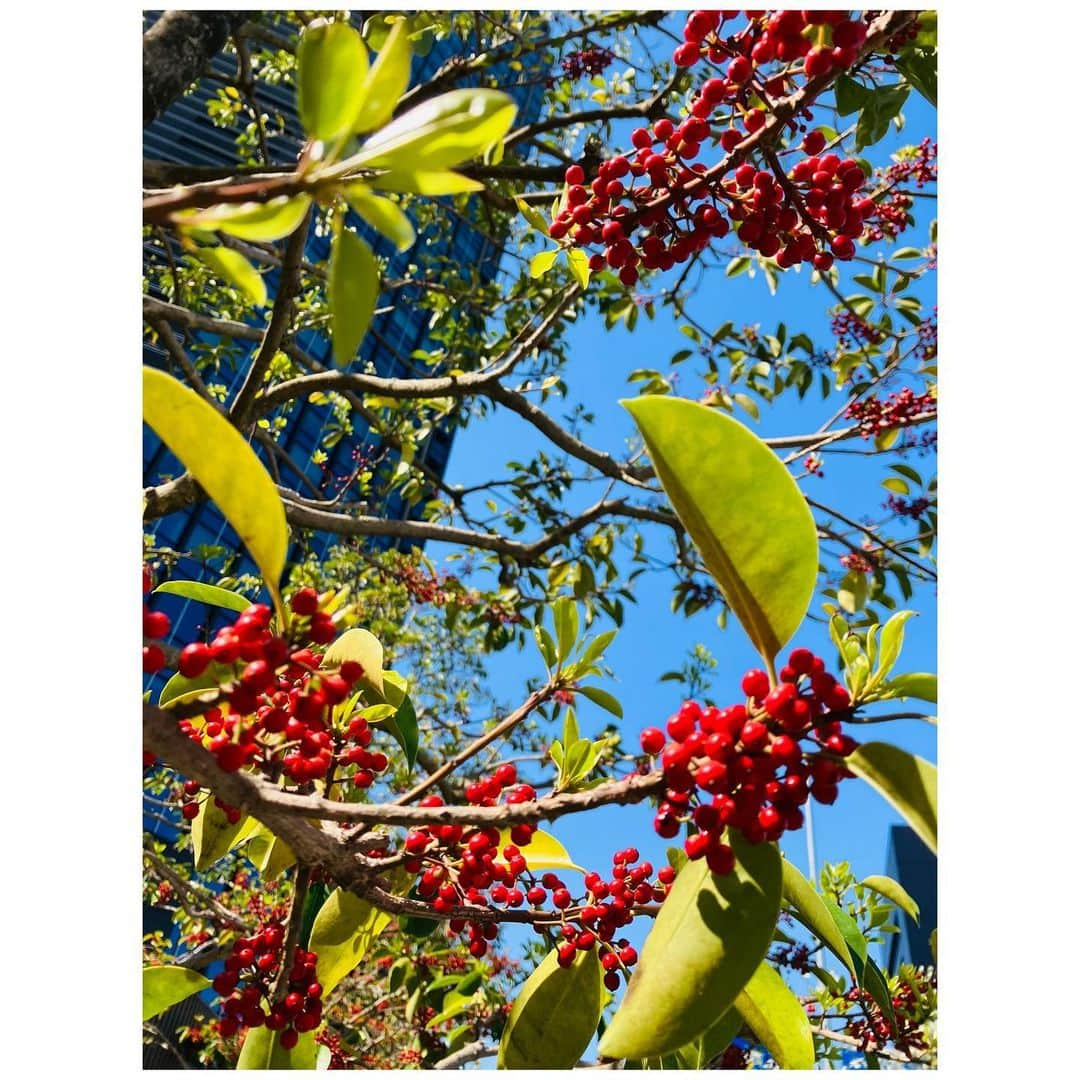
(908, 782)
(742, 509)
(270, 855)
(232, 267)
(332, 68)
(814, 914)
(602, 698)
(579, 266)
(776, 1016)
(262, 1049)
(543, 852)
(714, 931)
(168, 984)
(565, 617)
(440, 133)
(405, 730)
(352, 287)
(180, 689)
(386, 82)
(426, 181)
(226, 467)
(894, 891)
(262, 222)
(711, 1042)
(555, 1014)
(916, 684)
(362, 647)
(212, 837)
(532, 216)
(892, 641)
(341, 935)
(205, 594)
(382, 214)
(542, 262)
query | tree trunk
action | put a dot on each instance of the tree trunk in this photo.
(176, 50)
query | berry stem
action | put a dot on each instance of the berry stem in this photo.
(292, 931)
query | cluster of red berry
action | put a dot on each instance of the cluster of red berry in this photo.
(609, 906)
(893, 204)
(155, 626)
(813, 214)
(586, 62)
(873, 1027)
(736, 755)
(908, 508)
(874, 414)
(858, 563)
(254, 961)
(850, 330)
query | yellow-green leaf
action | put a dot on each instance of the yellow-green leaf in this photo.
(205, 594)
(168, 984)
(270, 854)
(362, 647)
(813, 912)
(426, 181)
(179, 688)
(742, 509)
(916, 684)
(714, 1040)
(226, 467)
(555, 1014)
(542, 262)
(533, 216)
(440, 133)
(387, 80)
(776, 1017)
(212, 837)
(894, 891)
(332, 67)
(270, 220)
(342, 934)
(543, 852)
(232, 267)
(352, 288)
(713, 931)
(382, 214)
(905, 780)
(579, 266)
(262, 1049)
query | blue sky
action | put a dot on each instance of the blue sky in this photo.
(653, 640)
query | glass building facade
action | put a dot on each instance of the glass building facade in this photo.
(185, 134)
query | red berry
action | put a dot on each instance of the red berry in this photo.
(652, 740)
(194, 660)
(755, 684)
(575, 174)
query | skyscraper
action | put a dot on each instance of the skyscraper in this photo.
(186, 134)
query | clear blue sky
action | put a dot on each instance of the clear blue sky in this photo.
(653, 640)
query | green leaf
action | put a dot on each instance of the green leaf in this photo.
(596, 648)
(920, 69)
(714, 931)
(555, 1014)
(232, 267)
(212, 837)
(564, 614)
(440, 133)
(180, 689)
(386, 82)
(262, 1049)
(226, 467)
(875, 981)
(852, 935)
(908, 782)
(570, 733)
(546, 644)
(894, 483)
(712, 1042)
(352, 288)
(341, 935)
(382, 214)
(532, 216)
(892, 641)
(851, 592)
(894, 891)
(543, 852)
(426, 181)
(168, 984)
(405, 730)
(814, 914)
(362, 647)
(270, 855)
(775, 1015)
(884, 103)
(916, 684)
(579, 266)
(603, 699)
(262, 222)
(542, 262)
(205, 594)
(742, 509)
(332, 68)
(850, 95)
